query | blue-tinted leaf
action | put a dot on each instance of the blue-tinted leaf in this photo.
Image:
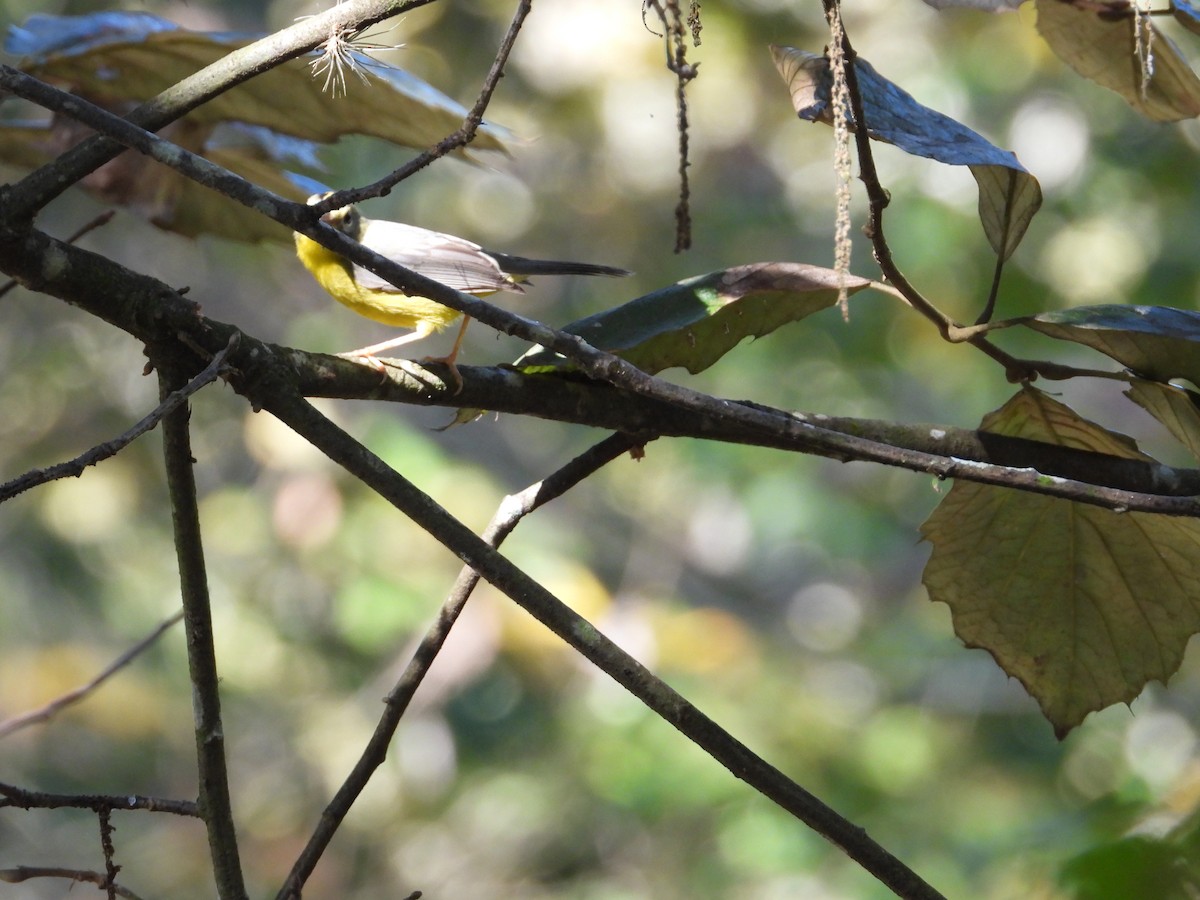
(1156, 342)
(696, 322)
(1008, 195)
(1187, 15)
(115, 58)
(261, 129)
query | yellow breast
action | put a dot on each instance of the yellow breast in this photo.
(336, 275)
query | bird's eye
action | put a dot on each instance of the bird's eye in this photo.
(350, 221)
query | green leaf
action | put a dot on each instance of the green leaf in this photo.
(1082, 605)
(1176, 408)
(1103, 49)
(1156, 342)
(1137, 866)
(697, 321)
(1008, 195)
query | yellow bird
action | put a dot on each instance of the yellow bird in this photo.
(452, 261)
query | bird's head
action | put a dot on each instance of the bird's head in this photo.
(347, 219)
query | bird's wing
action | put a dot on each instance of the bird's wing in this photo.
(453, 261)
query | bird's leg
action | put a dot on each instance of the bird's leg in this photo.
(367, 354)
(453, 355)
(370, 352)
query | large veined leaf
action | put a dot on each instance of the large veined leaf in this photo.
(1008, 195)
(1103, 49)
(1157, 342)
(1082, 605)
(697, 321)
(262, 129)
(1175, 407)
(116, 58)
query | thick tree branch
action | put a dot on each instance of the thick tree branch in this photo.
(152, 312)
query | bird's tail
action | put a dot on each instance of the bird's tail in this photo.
(519, 265)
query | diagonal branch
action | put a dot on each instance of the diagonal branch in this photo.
(460, 138)
(23, 200)
(878, 200)
(580, 634)
(510, 513)
(55, 706)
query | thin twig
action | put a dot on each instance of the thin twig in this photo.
(675, 28)
(25, 873)
(108, 449)
(13, 796)
(457, 140)
(511, 511)
(878, 200)
(584, 637)
(55, 706)
(202, 662)
(111, 869)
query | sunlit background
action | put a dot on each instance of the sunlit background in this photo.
(780, 593)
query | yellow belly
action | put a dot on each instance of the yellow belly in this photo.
(335, 274)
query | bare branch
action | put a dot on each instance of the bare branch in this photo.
(25, 873)
(14, 796)
(511, 511)
(202, 662)
(583, 636)
(99, 222)
(108, 449)
(459, 139)
(51, 709)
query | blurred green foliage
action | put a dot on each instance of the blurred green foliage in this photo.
(780, 593)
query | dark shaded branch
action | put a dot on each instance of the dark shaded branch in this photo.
(580, 634)
(111, 869)
(51, 709)
(153, 312)
(20, 798)
(511, 511)
(98, 222)
(202, 662)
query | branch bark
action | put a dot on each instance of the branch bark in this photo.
(213, 800)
